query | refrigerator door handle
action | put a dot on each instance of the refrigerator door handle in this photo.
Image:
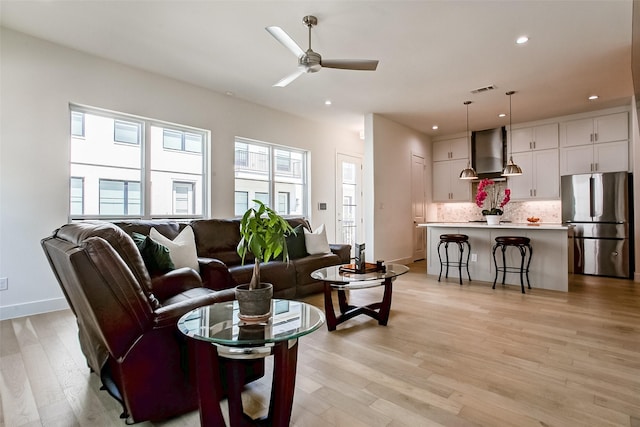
(591, 201)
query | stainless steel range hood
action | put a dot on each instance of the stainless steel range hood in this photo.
(489, 152)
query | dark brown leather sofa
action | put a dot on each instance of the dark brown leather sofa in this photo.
(221, 266)
(127, 321)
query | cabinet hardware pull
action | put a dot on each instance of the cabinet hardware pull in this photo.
(591, 137)
(596, 136)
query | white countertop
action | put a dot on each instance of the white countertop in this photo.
(506, 225)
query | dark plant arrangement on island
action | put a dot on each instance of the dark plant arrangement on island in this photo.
(491, 197)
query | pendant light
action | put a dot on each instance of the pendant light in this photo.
(511, 169)
(468, 172)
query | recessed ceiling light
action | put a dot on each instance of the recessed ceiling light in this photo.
(229, 93)
(522, 39)
(434, 127)
(592, 97)
(327, 102)
(502, 115)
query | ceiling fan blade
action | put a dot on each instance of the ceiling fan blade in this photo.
(284, 38)
(291, 77)
(350, 64)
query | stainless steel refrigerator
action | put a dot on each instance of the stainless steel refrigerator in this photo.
(600, 206)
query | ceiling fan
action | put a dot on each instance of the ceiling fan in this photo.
(312, 62)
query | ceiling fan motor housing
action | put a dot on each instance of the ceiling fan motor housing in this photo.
(310, 61)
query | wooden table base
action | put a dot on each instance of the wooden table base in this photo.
(210, 388)
(379, 310)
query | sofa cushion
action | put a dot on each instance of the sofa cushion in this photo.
(156, 257)
(316, 242)
(182, 249)
(296, 246)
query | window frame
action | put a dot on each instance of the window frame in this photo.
(201, 197)
(272, 173)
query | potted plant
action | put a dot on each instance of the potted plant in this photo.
(262, 233)
(492, 198)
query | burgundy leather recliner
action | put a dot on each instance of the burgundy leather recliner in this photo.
(127, 321)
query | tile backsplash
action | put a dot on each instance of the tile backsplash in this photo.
(548, 211)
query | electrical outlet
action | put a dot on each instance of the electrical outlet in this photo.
(474, 257)
(4, 283)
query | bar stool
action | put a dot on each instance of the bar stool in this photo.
(461, 240)
(526, 251)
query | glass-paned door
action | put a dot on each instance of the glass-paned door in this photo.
(349, 221)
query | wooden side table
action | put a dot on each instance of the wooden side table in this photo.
(215, 331)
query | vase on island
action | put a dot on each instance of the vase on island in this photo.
(493, 219)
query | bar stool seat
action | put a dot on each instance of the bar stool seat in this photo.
(523, 244)
(461, 240)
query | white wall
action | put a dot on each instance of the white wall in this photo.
(389, 220)
(39, 80)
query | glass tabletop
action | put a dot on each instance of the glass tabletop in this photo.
(334, 275)
(219, 323)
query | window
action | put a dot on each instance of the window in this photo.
(283, 203)
(126, 132)
(77, 195)
(183, 202)
(241, 203)
(182, 141)
(122, 167)
(275, 175)
(77, 124)
(119, 197)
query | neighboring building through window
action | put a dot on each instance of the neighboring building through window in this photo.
(122, 166)
(241, 202)
(274, 175)
(76, 191)
(77, 124)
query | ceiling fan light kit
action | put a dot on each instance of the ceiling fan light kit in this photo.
(310, 61)
(511, 169)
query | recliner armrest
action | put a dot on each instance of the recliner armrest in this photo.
(174, 282)
(170, 314)
(215, 274)
(343, 250)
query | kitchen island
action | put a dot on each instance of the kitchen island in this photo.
(552, 252)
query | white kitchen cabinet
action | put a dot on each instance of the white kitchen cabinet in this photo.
(606, 157)
(595, 130)
(541, 137)
(447, 185)
(450, 149)
(540, 179)
(597, 144)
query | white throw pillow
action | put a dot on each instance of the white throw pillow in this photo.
(182, 249)
(316, 242)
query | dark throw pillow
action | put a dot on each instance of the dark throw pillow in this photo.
(156, 257)
(295, 243)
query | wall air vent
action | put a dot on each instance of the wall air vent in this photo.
(484, 89)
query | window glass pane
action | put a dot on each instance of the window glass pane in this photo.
(133, 198)
(77, 123)
(241, 202)
(283, 203)
(171, 166)
(172, 140)
(262, 197)
(126, 132)
(192, 143)
(77, 196)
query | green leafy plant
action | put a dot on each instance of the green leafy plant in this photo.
(262, 233)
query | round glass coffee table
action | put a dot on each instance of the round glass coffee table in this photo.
(333, 278)
(215, 331)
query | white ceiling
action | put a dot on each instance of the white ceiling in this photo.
(432, 53)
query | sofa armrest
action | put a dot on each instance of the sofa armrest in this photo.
(174, 282)
(215, 274)
(342, 250)
(168, 315)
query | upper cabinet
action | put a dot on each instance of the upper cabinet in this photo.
(447, 185)
(540, 179)
(450, 149)
(598, 144)
(541, 137)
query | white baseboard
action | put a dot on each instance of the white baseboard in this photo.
(636, 277)
(31, 308)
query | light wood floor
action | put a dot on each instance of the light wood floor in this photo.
(451, 355)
